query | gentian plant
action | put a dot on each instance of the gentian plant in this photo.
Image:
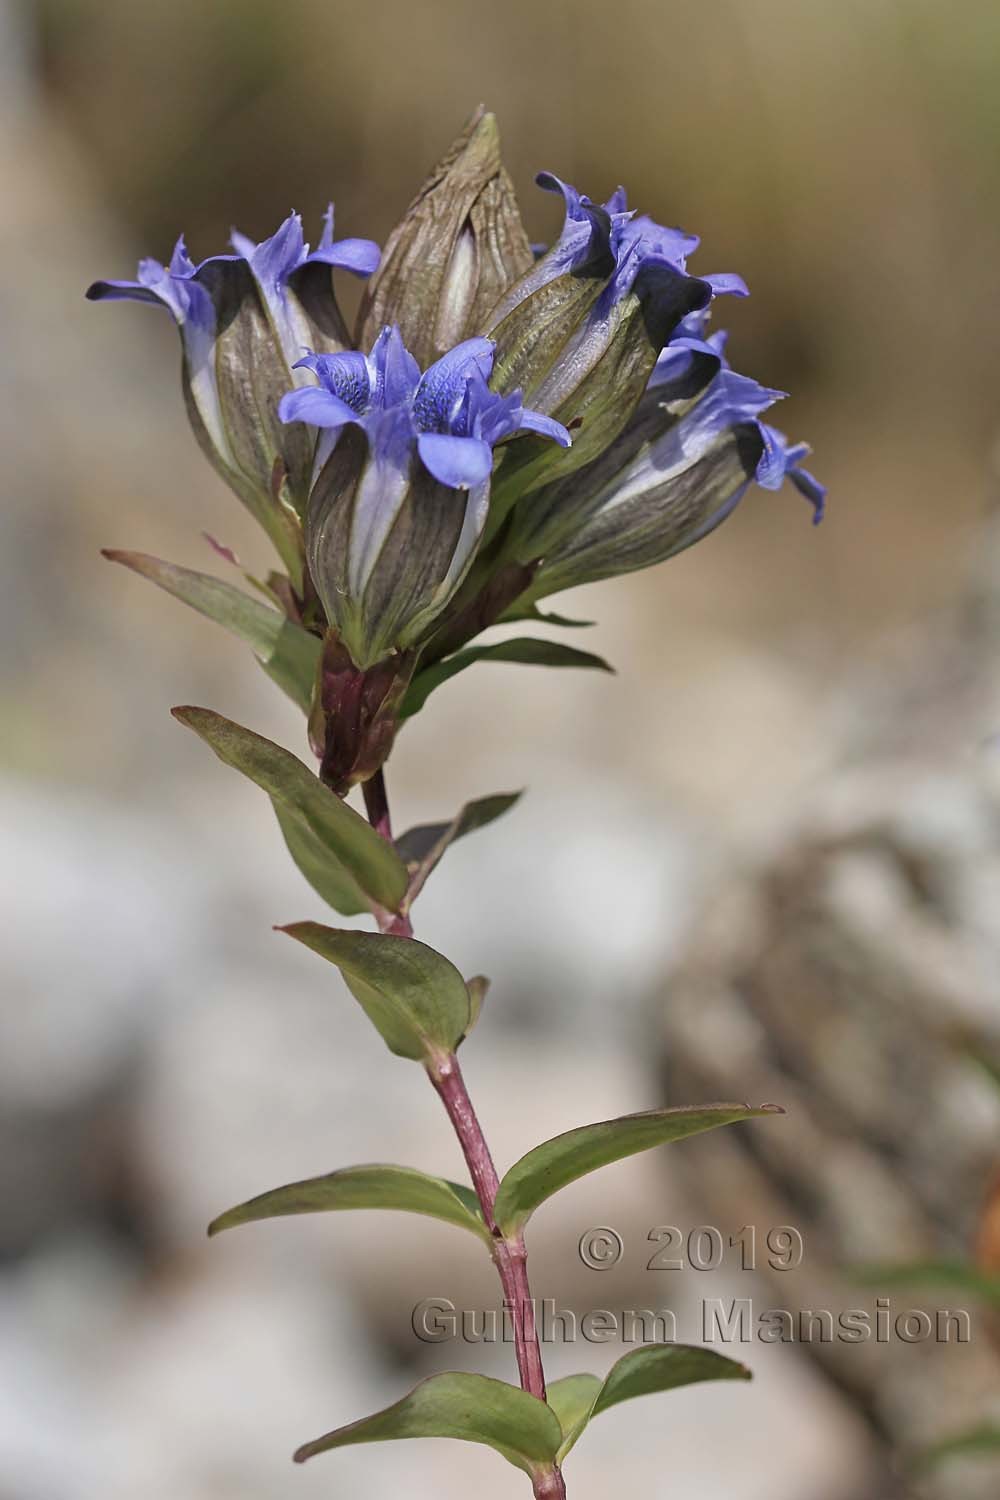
(506, 423)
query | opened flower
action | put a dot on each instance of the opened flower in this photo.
(678, 470)
(402, 485)
(244, 320)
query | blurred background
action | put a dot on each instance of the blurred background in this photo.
(763, 861)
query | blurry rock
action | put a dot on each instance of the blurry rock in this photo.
(852, 973)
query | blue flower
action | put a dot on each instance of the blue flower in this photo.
(613, 242)
(401, 485)
(732, 398)
(676, 473)
(244, 319)
(449, 412)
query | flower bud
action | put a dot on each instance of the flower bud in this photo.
(244, 320)
(460, 245)
(402, 487)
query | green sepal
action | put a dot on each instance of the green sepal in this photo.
(288, 654)
(337, 828)
(523, 649)
(530, 339)
(423, 847)
(578, 1399)
(595, 392)
(414, 997)
(473, 1408)
(374, 1186)
(556, 1163)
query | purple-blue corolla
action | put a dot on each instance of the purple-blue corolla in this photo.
(449, 411)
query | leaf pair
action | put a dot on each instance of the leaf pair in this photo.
(533, 1179)
(290, 655)
(530, 1434)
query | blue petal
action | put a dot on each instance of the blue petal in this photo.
(585, 231)
(242, 244)
(346, 375)
(535, 421)
(274, 260)
(459, 462)
(360, 256)
(725, 283)
(123, 291)
(780, 461)
(649, 239)
(396, 374)
(181, 263)
(437, 404)
(678, 357)
(317, 407)
(326, 237)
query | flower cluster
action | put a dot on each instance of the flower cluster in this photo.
(505, 423)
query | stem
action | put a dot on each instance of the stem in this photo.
(377, 805)
(377, 808)
(509, 1255)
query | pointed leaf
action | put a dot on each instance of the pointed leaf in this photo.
(288, 654)
(372, 862)
(572, 1399)
(563, 1159)
(525, 649)
(477, 988)
(643, 1372)
(415, 998)
(518, 612)
(327, 875)
(423, 847)
(376, 1186)
(474, 1408)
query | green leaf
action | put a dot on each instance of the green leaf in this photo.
(374, 1186)
(949, 1275)
(562, 1160)
(414, 997)
(518, 612)
(288, 654)
(572, 1399)
(644, 1372)
(523, 649)
(371, 862)
(975, 1442)
(423, 847)
(474, 1408)
(477, 988)
(326, 874)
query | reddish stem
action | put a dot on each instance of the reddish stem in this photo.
(509, 1254)
(377, 805)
